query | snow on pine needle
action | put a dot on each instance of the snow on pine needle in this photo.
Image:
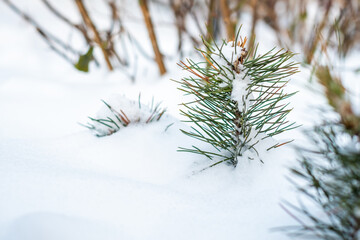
(238, 102)
(119, 112)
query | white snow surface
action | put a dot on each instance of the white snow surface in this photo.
(58, 181)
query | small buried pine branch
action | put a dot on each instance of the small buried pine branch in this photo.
(238, 101)
(126, 112)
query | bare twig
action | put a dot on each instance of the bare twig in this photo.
(90, 24)
(211, 21)
(229, 24)
(254, 5)
(62, 17)
(49, 38)
(317, 34)
(115, 18)
(150, 28)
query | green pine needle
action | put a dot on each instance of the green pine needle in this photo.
(229, 126)
(119, 119)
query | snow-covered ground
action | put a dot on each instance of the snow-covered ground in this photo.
(59, 181)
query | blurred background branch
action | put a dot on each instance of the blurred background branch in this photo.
(308, 27)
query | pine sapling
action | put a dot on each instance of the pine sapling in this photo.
(238, 101)
(328, 173)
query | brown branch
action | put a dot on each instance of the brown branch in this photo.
(179, 21)
(310, 50)
(229, 24)
(90, 24)
(147, 18)
(115, 18)
(255, 17)
(211, 21)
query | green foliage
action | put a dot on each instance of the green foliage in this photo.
(338, 98)
(84, 60)
(334, 88)
(329, 172)
(332, 182)
(238, 100)
(128, 112)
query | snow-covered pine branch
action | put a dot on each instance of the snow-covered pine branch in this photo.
(238, 101)
(119, 112)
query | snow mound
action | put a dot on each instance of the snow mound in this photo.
(119, 111)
